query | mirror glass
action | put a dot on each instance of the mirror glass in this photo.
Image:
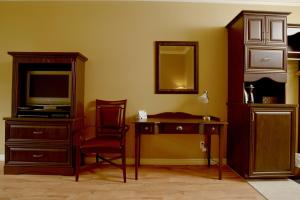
(176, 70)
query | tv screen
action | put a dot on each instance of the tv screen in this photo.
(48, 88)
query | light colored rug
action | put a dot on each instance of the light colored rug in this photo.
(277, 189)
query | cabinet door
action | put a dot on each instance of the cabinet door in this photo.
(272, 140)
(276, 30)
(254, 30)
(265, 30)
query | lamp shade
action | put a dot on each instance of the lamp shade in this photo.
(203, 98)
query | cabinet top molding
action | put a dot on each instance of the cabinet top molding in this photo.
(253, 12)
(47, 54)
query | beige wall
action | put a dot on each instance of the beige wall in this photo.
(118, 39)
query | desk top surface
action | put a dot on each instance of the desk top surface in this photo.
(179, 120)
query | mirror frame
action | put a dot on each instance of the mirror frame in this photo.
(193, 44)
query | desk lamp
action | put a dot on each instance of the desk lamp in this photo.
(203, 98)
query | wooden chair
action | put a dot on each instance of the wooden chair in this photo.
(109, 141)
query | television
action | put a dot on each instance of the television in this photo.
(48, 88)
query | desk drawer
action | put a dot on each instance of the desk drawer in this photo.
(146, 128)
(50, 132)
(170, 128)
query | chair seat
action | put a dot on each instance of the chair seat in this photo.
(102, 143)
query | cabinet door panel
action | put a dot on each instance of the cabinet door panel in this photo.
(272, 139)
(255, 29)
(276, 30)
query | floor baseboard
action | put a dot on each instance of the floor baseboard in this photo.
(167, 161)
(164, 161)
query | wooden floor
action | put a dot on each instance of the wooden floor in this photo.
(105, 183)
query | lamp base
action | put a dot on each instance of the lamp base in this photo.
(206, 118)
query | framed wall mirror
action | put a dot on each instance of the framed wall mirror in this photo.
(176, 67)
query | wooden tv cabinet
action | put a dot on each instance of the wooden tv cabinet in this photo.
(41, 141)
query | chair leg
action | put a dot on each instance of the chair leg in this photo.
(97, 158)
(208, 148)
(124, 166)
(77, 164)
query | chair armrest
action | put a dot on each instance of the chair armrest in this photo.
(126, 128)
(81, 135)
(78, 137)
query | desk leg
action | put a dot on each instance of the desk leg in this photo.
(137, 154)
(139, 149)
(208, 147)
(221, 134)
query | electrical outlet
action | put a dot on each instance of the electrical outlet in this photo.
(202, 146)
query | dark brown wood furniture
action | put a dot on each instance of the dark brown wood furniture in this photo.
(39, 138)
(109, 141)
(261, 134)
(179, 123)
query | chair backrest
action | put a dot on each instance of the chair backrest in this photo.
(110, 117)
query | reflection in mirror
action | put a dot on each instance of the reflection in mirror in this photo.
(176, 67)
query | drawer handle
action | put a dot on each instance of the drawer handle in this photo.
(266, 59)
(213, 128)
(38, 155)
(146, 128)
(37, 132)
(179, 128)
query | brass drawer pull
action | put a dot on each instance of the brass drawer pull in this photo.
(179, 128)
(37, 132)
(266, 59)
(38, 155)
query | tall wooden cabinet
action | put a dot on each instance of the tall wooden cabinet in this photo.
(261, 131)
(47, 110)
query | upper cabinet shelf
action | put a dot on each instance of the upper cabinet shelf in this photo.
(293, 55)
(293, 33)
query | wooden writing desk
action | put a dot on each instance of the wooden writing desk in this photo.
(179, 123)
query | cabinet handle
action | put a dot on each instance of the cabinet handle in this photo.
(213, 129)
(38, 155)
(146, 128)
(252, 117)
(266, 59)
(37, 132)
(179, 128)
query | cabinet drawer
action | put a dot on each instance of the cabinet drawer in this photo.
(178, 128)
(263, 60)
(50, 132)
(41, 155)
